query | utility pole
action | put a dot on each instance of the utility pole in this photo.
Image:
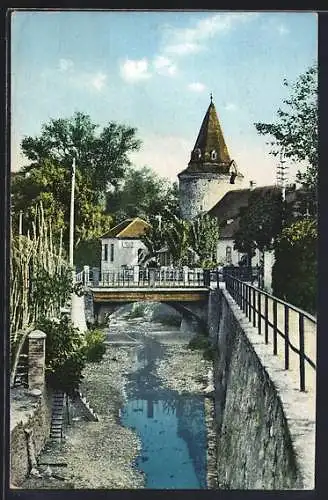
(282, 174)
(20, 225)
(71, 222)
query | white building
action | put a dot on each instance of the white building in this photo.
(122, 246)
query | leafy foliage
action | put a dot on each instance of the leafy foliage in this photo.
(296, 131)
(259, 223)
(95, 345)
(65, 353)
(101, 157)
(143, 194)
(294, 274)
(187, 242)
(204, 235)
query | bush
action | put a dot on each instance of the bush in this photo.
(294, 274)
(65, 356)
(137, 311)
(199, 342)
(95, 346)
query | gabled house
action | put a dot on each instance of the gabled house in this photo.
(122, 246)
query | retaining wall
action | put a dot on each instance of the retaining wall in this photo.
(265, 425)
(36, 418)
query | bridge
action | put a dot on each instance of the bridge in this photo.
(186, 290)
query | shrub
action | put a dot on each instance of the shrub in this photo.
(294, 274)
(95, 345)
(199, 342)
(137, 311)
(65, 356)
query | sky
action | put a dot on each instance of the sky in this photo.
(155, 71)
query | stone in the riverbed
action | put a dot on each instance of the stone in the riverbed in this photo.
(35, 392)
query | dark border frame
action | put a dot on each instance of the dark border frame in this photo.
(322, 405)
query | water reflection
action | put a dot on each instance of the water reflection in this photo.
(171, 426)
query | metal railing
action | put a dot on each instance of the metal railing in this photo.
(169, 277)
(255, 303)
(149, 277)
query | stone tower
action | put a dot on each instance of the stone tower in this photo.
(210, 173)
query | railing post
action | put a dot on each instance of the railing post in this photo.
(301, 341)
(259, 312)
(266, 325)
(275, 350)
(254, 308)
(86, 275)
(185, 275)
(286, 337)
(36, 360)
(136, 275)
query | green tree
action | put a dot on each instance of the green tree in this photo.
(102, 157)
(296, 131)
(259, 223)
(204, 235)
(177, 236)
(50, 184)
(294, 274)
(143, 194)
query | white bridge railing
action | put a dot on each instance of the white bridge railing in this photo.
(146, 277)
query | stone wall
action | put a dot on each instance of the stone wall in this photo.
(38, 421)
(199, 193)
(265, 431)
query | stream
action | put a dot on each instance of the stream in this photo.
(152, 433)
(171, 426)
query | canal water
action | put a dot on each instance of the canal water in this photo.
(171, 426)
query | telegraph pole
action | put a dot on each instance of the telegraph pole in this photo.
(71, 222)
(282, 174)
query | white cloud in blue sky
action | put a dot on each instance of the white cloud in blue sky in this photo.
(155, 71)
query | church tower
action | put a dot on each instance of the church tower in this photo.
(210, 173)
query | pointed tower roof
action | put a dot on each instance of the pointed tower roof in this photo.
(210, 153)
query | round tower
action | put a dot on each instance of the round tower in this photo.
(211, 173)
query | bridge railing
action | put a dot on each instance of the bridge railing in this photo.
(291, 330)
(150, 277)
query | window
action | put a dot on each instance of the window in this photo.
(105, 252)
(112, 252)
(228, 255)
(214, 155)
(198, 153)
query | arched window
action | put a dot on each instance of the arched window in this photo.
(214, 155)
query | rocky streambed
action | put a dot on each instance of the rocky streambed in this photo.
(109, 454)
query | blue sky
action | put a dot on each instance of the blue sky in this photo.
(155, 71)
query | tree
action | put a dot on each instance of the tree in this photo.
(296, 131)
(204, 235)
(50, 184)
(102, 158)
(259, 223)
(143, 194)
(294, 274)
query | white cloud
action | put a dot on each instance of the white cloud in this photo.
(65, 64)
(98, 81)
(134, 70)
(230, 106)
(196, 87)
(182, 41)
(164, 66)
